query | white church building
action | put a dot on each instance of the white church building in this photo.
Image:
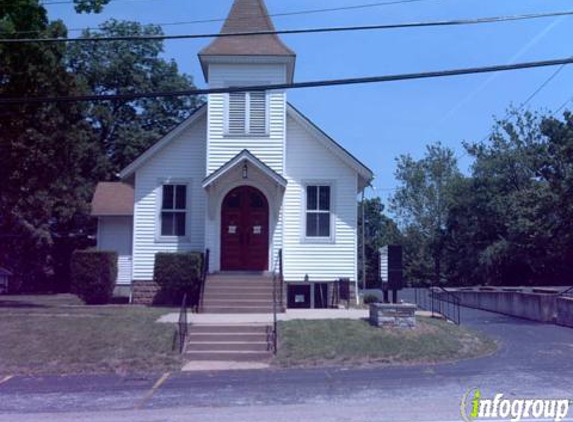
(245, 176)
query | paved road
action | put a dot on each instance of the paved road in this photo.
(534, 361)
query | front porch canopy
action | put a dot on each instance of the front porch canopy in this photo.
(241, 159)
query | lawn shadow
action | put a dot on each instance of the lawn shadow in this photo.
(14, 304)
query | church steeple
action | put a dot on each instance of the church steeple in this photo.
(248, 16)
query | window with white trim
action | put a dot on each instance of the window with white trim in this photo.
(247, 113)
(174, 210)
(318, 211)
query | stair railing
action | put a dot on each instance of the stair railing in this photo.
(204, 273)
(182, 325)
(278, 299)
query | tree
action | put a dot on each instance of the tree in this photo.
(46, 155)
(422, 203)
(53, 154)
(511, 221)
(379, 230)
(127, 128)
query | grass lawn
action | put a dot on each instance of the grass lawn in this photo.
(57, 334)
(307, 343)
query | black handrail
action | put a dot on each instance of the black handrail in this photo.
(568, 293)
(204, 273)
(278, 293)
(439, 301)
(182, 325)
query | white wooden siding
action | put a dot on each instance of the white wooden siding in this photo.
(221, 147)
(115, 234)
(182, 159)
(307, 161)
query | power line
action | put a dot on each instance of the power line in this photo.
(458, 22)
(532, 96)
(297, 85)
(542, 87)
(283, 14)
(50, 3)
(562, 106)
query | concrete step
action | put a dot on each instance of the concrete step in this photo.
(229, 346)
(237, 309)
(212, 355)
(224, 295)
(237, 302)
(227, 337)
(229, 329)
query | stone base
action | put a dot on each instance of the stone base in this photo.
(388, 315)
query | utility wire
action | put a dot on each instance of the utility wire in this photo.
(531, 97)
(283, 14)
(162, 37)
(297, 85)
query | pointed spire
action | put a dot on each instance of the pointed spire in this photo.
(248, 16)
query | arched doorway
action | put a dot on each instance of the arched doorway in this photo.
(245, 230)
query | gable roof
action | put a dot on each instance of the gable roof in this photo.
(248, 16)
(244, 156)
(331, 144)
(113, 199)
(364, 172)
(158, 146)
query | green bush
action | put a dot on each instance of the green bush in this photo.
(93, 275)
(178, 274)
(370, 298)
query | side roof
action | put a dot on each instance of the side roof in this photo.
(113, 199)
(163, 142)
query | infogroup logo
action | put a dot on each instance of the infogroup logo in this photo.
(475, 407)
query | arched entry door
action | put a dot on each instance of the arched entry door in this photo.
(245, 230)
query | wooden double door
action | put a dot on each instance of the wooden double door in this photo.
(245, 230)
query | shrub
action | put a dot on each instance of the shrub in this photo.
(177, 274)
(93, 275)
(370, 298)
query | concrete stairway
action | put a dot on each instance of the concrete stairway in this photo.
(237, 343)
(238, 293)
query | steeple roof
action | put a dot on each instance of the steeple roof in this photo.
(248, 16)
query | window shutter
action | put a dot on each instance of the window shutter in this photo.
(237, 113)
(258, 113)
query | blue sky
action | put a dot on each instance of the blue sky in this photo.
(378, 122)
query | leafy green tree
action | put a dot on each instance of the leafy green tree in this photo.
(127, 128)
(511, 221)
(53, 154)
(422, 204)
(47, 157)
(379, 230)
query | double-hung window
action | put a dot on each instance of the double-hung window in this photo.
(247, 114)
(318, 211)
(174, 210)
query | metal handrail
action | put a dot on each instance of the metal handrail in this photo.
(204, 273)
(566, 293)
(182, 325)
(440, 301)
(278, 293)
